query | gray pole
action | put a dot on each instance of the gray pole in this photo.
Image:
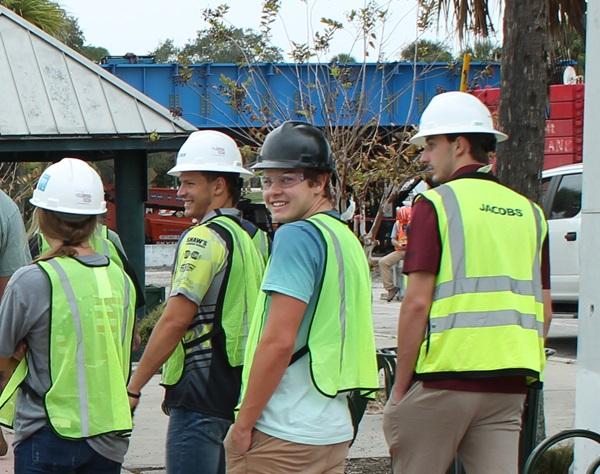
(587, 405)
(131, 189)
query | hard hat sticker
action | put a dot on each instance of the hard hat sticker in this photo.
(85, 198)
(43, 182)
(219, 150)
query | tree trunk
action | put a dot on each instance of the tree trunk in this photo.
(524, 95)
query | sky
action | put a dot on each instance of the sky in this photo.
(138, 26)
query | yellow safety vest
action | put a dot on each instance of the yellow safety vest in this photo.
(340, 343)
(262, 244)
(241, 286)
(91, 327)
(487, 314)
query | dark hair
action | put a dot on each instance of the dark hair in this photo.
(312, 176)
(71, 233)
(482, 144)
(232, 181)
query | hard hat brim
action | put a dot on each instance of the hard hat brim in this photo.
(283, 165)
(271, 165)
(178, 169)
(420, 138)
(69, 210)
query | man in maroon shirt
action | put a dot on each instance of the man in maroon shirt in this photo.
(453, 393)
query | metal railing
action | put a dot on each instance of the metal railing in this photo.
(545, 445)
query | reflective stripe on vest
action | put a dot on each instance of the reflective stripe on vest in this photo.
(486, 299)
(240, 289)
(91, 327)
(261, 242)
(8, 397)
(341, 343)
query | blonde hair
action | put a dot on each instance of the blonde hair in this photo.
(72, 233)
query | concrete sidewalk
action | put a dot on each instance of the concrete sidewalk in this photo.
(146, 452)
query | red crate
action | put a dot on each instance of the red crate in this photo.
(489, 96)
(566, 110)
(560, 128)
(554, 161)
(567, 93)
(559, 145)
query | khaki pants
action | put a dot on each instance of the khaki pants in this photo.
(385, 267)
(269, 455)
(428, 428)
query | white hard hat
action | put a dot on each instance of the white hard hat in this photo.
(209, 150)
(455, 112)
(70, 186)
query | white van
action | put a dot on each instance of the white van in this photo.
(562, 206)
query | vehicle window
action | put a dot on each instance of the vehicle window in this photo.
(545, 185)
(567, 201)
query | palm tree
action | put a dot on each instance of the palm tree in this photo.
(46, 15)
(528, 28)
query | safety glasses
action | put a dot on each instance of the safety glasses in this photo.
(283, 181)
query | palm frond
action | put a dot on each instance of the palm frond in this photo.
(569, 13)
(473, 16)
(46, 15)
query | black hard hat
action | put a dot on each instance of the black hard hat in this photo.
(295, 145)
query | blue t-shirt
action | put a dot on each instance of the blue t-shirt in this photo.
(297, 412)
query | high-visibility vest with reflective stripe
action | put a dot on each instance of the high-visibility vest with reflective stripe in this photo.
(8, 397)
(260, 238)
(341, 343)
(241, 286)
(262, 244)
(487, 314)
(99, 241)
(92, 317)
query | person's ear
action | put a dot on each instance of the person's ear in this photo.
(219, 186)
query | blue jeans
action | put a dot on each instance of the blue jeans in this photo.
(195, 442)
(46, 453)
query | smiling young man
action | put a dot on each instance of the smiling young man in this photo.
(311, 339)
(201, 335)
(477, 305)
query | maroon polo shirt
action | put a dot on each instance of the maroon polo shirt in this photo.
(423, 254)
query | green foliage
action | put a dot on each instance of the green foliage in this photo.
(166, 52)
(46, 15)
(570, 44)
(223, 43)
(482, 50)
(146, 325)
(94, 53)
(18, 181)
(53, 19)
(343, 58)
(233, 45)
(556, 460)
(158, 166)
(427, 51)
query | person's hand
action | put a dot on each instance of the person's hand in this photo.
(137, 340)
(17, 356)
(20, 351)
(241, 438)
(134, 399)
(398, 392)
(4, 376)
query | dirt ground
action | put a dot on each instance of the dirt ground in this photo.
(368, 466)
